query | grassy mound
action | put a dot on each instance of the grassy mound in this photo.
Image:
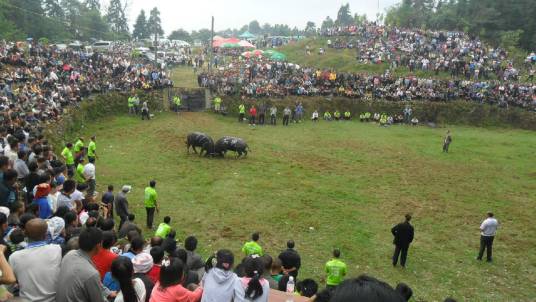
(342, 185)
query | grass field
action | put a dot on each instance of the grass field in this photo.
(343, 185)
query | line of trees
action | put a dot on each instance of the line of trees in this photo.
(506, 23)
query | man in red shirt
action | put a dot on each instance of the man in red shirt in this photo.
(104, 258)
(252, 115)
(158, 255)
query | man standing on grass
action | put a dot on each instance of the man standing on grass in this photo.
(403, 233)
(121, 205)
(92, 149)
(273, 115)
(488, 229)
(151, 204)
(286, 116)
(335, 270)
(176, 103)
(290, 260)
(241, 112)
(446, 142)
(252, 247)
(68, 157)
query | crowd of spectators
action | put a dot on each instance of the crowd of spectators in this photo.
(478, 73)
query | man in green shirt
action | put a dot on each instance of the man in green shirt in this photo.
(79, 173)
(92, 148)
(79, 148)
(241, 112)
(335, 270)
(164, 228)
(252, 247)
(347, 115)
(150, 203)
(217, 104)
(337, 115)
(67, 155)
(131, 105)
(177, 103)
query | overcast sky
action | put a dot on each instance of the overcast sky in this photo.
(195, 14)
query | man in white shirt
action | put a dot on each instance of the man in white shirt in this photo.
(89, 175)
(37, 266)
(488, 229)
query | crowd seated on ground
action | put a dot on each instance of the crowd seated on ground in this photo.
(37, 84)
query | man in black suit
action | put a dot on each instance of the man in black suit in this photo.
(291, 260)
(403, 233)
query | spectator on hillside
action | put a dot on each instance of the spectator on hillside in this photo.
(143, 263)
(252, 247)
(121, 206)
(169, 288)
(255, 286)
(132, 289)
(267, 260)
(286, 116)
(220, 283)
(8, 192)
(314, 117)
(42, 202)
(108, 201)
(7, 277)
(488, 230)
(307, 288)
(403, 236)
(446, 142)
(89, 176)
(252, 115)
(79, 280)
(68, 157)
(38, 265)
(290, 260)
(170, 243)
(145, 111)
(136, 247)
(335, 270)
(56, 231)
(273, 115)
(104, 257)
(164, 228)
(194, 261)
(64, 199)
(151, 204)
(20, 165)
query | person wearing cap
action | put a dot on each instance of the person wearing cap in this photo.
(121, 205)
(41, 200)
(143, 263)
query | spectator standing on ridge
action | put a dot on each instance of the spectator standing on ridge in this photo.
(241, 112)
(488, 229)
(150, 200)
(68, 157)
(273, 115)
(290, 260)
(286, 116)
(194, 261)
(145, 111)
(335, 270)
(220, 283)
(89, 175)
(403, 233)
(252, 115)
(252, 247)
(121, 205)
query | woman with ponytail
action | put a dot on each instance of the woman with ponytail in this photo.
(220, 283)
(132, 290)
(255, 286)
(169, 288)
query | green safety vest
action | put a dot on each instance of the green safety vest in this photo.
(347, 114)
(242, 109)
(217, 101)
(91, 149)
(130, 102)
(337, 114)
(335, 270)
(177, 100)
(327, 115)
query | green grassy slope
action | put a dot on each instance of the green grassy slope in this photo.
(343, 185)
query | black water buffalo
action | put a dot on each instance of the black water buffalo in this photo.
(235, 144)
(198, 139)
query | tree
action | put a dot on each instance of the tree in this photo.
(92, 4)
(344, 17)
(53, 9)
(116, 16)
(254, 27)
(201, 35)
(328, 23)
(310, 28)
(140, 27)
(154, 24)
(180, 34)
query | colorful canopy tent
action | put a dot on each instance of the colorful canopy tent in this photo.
(268, 53)
(220, 43)
(217, 38)
(255, 53)
(230, 45)
(247, 35)
(246, 44)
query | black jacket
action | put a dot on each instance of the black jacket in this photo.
(403, 233)
(290, 258)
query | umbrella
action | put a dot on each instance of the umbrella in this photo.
(230, 45)
(247, 35)
(246, 44)
(257, 52)
(268, 53)
(277, 56)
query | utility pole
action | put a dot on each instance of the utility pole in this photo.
(155, 48)
(211, 45)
